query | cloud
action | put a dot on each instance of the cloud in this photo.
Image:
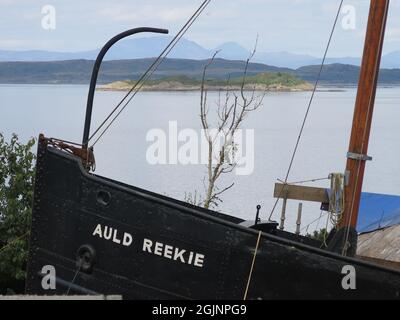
(283, 25)
(6, 2)
(15, 2)
(163, 14)
(13, 43)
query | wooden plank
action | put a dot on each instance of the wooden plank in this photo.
(302, 193)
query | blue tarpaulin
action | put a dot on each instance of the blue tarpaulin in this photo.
(378, 211)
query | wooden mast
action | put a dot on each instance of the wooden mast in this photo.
(358, 148)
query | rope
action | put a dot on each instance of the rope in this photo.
(252, 266)
(309, 106)
(73, 279)
(326, 232)
(303, 181)
(66, 141)
(322, 214)
(153, 67)
(319, 220)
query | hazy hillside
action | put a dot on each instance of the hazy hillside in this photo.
(145, 47)
(344, 74)
(79, 71)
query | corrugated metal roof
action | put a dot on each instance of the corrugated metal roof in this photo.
(378, 211)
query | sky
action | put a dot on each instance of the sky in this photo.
(298, 26)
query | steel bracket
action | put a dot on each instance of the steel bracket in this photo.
(359, 157)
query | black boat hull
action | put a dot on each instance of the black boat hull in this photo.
(146, 246)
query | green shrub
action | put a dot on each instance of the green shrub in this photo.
(16, 195)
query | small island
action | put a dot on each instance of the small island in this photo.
(270, 81)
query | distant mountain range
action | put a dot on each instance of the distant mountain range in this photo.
(139, 48)
(79, 71)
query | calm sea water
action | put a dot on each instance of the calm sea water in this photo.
(58, 111)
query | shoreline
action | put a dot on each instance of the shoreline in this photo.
(208, 90)
(179, 87)
(321, 87)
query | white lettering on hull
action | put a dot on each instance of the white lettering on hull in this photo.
(112, 234)
(173, 253)
(149, 246)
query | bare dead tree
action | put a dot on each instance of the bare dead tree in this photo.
(232, 109)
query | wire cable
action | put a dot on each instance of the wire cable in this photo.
(153, 67)
(308, 107)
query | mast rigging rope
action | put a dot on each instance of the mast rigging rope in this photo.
(153, 67)
(308, 107)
